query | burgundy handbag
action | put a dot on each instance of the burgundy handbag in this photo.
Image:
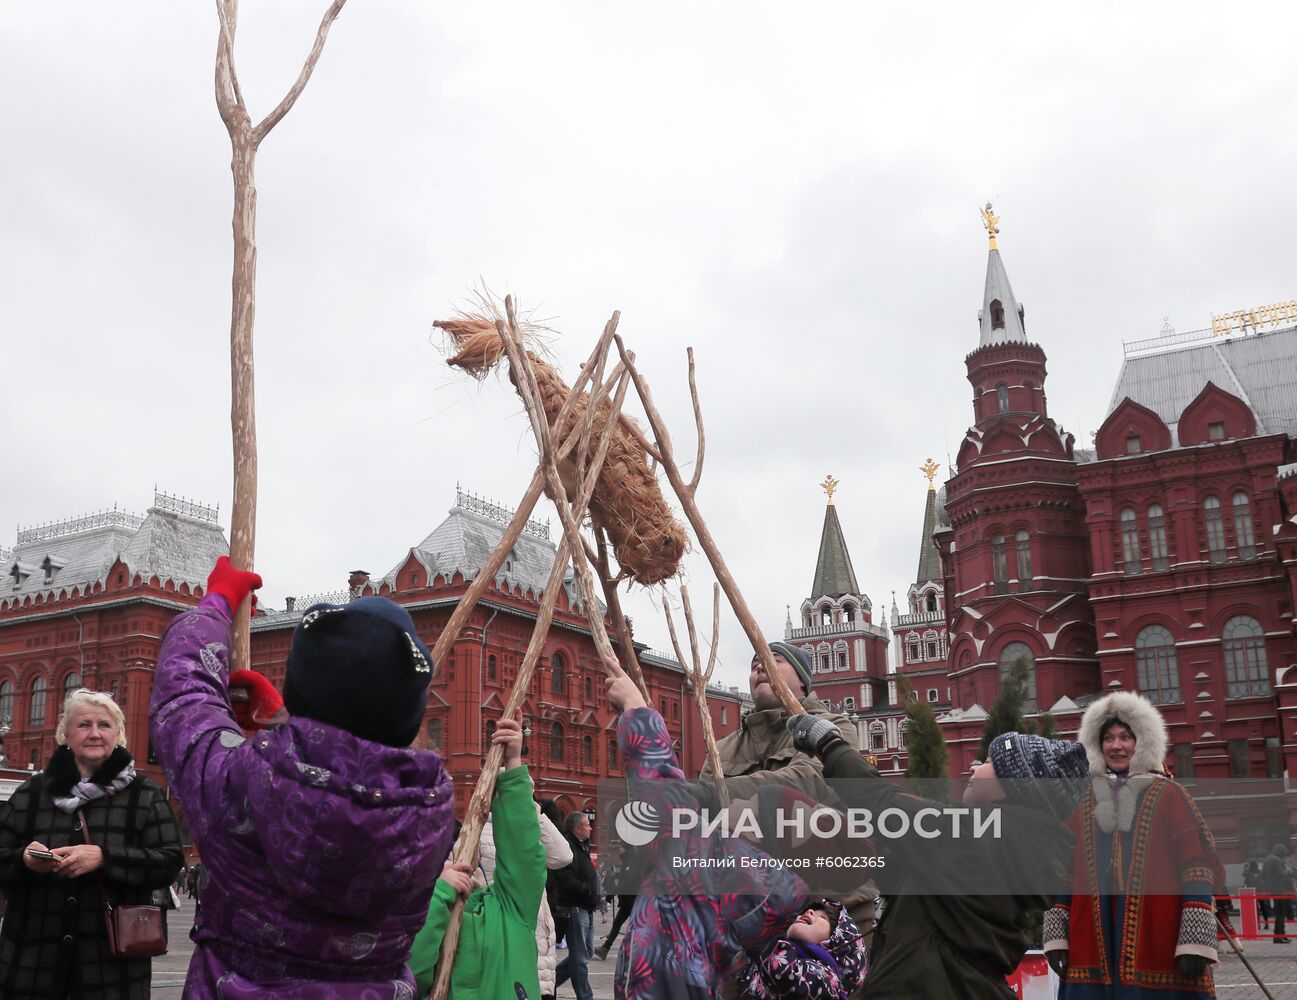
(134, 931)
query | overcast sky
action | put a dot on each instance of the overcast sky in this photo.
(792, 189)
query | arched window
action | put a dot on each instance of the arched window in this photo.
(877, 737)
(1243, 527)
(589, 689)
(900, 733)
(1129, 542)
(997, 314)
(1159, 674)
(1023, 543)
(826, 614)
(1246, 672)
(1002, 397)
(36, 716)
(490, 667)
(1157, 538)
(612, 753)
(434, 734)
(558, 674)
(6, 703)
(70, 683)
(1010, 655)
(1215, 525)
(843, 661)
(848, 704)
(912, 650)
(556, 753)
(931, 602)
(1000, 564)
(930, 646)
(849, 614)
(587, 751)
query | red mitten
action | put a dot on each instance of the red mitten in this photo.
(254, 698)
(232, 584)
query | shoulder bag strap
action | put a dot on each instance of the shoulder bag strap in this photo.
(85, 832)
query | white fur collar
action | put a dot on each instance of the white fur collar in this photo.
(1144, 720)
(1114, 805)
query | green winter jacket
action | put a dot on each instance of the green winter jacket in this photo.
(497, 943)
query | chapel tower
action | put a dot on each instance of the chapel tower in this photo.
(837, 626)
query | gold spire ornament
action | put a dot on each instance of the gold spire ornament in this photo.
(829, 486)
(929, 469)
(992, 223)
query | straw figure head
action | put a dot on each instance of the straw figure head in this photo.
(648, 542)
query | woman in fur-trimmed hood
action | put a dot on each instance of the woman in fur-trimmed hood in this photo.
(1140, 921)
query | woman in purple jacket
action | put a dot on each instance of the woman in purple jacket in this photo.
(322, 838)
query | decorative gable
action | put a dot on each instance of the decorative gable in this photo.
(1215, 415)
(1131, 429)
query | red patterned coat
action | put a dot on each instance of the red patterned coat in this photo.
(1142, 895)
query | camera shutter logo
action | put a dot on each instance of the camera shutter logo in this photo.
(636, 823)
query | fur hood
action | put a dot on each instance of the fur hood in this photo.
(1144, 720)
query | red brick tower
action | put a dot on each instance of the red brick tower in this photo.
(1017, 554)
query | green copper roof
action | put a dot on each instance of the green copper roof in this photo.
(929, 557)
(833, 573)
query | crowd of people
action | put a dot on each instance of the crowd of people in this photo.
(326, 867)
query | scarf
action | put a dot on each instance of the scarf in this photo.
(70, 792)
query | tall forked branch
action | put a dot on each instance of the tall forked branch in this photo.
(244, 140)
(699, 677)
(685, 492)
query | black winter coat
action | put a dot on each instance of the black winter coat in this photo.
(54, 939)
(953, 946)
(578, 883)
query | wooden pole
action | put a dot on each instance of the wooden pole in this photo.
(245, 138)
(525, 380)
(479, 806)
(528, 503)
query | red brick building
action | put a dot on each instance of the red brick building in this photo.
(1163, 561)
(85, 601)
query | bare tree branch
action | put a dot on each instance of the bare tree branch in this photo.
(294, 92)
(228, 94)
(690, 507)
(698, 422)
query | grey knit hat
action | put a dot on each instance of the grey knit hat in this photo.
(1050, 775)
(799, 658)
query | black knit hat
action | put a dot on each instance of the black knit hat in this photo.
(799, 658)
(1046, 774)
(361, 667)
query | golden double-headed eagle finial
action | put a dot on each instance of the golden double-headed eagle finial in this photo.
(929, 469)
(829, 486)
(992, 223)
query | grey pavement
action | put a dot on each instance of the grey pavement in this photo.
(169, 970)
(1276, 963)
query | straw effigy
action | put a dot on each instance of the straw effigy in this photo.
(647, 541)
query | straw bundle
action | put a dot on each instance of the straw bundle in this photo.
(627, 502)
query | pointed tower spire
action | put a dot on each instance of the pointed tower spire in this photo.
(833, 573)
(1001, 318)
(929, 558)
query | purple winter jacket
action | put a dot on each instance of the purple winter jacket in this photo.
(320, 849)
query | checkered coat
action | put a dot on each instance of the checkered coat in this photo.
(54, 927)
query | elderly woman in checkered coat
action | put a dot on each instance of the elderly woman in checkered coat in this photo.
(54, 942)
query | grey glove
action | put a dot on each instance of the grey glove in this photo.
(1057, 960)
(812, 733)
(1192, 966)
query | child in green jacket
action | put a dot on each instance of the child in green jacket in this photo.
(496, 957)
